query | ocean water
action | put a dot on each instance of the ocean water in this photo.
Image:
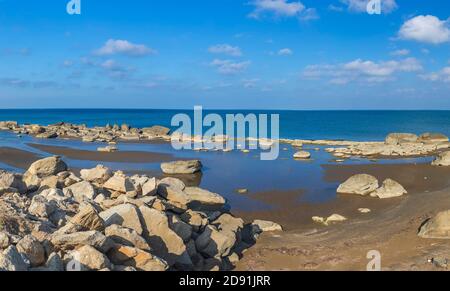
(225, 172)
(349, 125)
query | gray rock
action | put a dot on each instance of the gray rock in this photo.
(389, 189)
(89, 238)
(181, 167)
(90, 259)
(120, 183)
(362, 184)
(32, 249)
(47, 167)
(443, 159)
(127, 237)
(401, 138)
(82, 191)
(11, 180)
(136, 258)
(126, 215)
(11, 260)
(99, 174)
(165, 243)
(437, 227)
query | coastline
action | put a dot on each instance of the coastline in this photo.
(304, 244)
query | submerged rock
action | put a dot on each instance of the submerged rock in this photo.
(181, 167)
(302, 155)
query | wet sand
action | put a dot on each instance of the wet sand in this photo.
(391, 228)
(17, 158)
(119, 157)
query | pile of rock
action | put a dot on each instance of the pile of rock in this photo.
(53, 220)
(395, 145)
(365, 185)
(107, 133)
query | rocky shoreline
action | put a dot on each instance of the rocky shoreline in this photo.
(53, 220)
(396, 145)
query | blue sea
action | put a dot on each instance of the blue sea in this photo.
(349, 125)
(225, 172)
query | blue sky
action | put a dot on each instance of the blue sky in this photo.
(254, 54)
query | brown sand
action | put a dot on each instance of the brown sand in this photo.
(391, 228)
(17, 158)
(121, 157)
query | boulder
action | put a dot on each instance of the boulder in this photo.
(361, 184)
(4, 240)
(401, 138)
(99, 174)
(82, 191)
(41, 207)
(156, 131)
(127, 237)
(11, 260)
(443, 159)
(437, 227)
(267, 226)
(213, 243)
(108, 149)
(139, 259)
(88, 238)
(199, 197)
(181, 228)
(173, 194)
(181, 167)
(172, 182)
(165, 242)
(32, 249)
(90, 259)
(125, 215)
(86, 219)
(47, 167)
(433, 138)
(302, 155)
(11, 180)
(120, 183)
(149, 188)
(335, 218)
(389, 189)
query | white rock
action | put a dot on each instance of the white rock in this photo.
(389, 189)
(362, 184)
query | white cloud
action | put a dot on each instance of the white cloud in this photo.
(124, 47)
(229, 67)
(309, 14)
(250, 83)
(285, 52)
(225, 49)
(360, 70)
(401, 52)
(442, 75)
(427, 29)
(387, 6)
(282, 8)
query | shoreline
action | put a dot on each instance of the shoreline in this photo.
(391, 226)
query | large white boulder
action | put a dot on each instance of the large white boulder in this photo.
(361, 184)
